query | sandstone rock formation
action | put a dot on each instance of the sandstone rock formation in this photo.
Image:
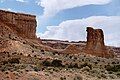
(71, 49)
(95, 43)
(17, 30)
(24, 25)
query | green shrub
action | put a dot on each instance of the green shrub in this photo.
(56, 63)
(70, 57)
(14, 60)
(112, 76)
(46, 63)
(36, 69)
(73, 65)
(42, 51)
(33, 51)
(78, 77)
(4, 62)
(118, 74)
(104, 75)
(70, 66)
(86, 64)
(114, 68)
(86, 68)
(63, 78)
(11, 61)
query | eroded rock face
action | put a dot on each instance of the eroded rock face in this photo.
(95, 43)
(71, 49)
(95, 39)
(23, 25)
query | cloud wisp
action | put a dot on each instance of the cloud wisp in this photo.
(21, 0)
(15, 0)
(52, 7)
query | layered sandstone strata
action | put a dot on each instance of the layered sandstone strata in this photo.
(24, 25)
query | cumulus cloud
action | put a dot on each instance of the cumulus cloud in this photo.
(52, 7)
(75, 30)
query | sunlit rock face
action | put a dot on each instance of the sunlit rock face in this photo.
(23, 25)
(95, 39)
(17, 30)
(95, 43)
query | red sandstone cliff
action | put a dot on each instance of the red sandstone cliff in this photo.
(24, 25)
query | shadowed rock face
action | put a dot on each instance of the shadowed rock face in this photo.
(95, 43)
(24, 25)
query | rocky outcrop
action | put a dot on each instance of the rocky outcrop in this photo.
(18, 33)
(95, 43)
(71, 49)
(60, 44)
(95, 39)
(23, 25)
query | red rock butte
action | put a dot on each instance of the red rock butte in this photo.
(95, 43)
(24, 25)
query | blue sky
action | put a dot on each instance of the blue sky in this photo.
(68, 19)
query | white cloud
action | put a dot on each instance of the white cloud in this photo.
(52, 7)
(76, 29)
(7, 9)
(21, 1)
(15, 0)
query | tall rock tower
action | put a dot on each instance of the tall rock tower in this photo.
(95, 43)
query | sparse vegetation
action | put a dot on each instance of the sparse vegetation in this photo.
(46, 63)
(114, 68)
(63, 78)
(78, 77)
(86, 64)
(14, 60)
(56, 63)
